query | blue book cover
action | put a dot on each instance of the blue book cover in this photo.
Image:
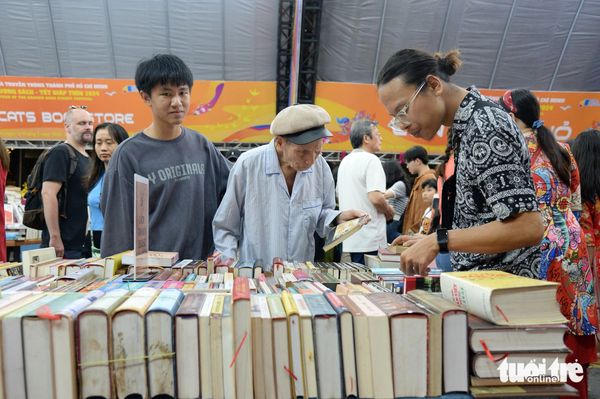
(113, 284)
(319, 306)
(168, 301)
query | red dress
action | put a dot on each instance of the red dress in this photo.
(590, 223)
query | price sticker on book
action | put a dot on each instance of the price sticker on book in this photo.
(140, 220)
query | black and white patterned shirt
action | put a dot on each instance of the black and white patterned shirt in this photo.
(493, 180)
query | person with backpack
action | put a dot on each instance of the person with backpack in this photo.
(63, 194)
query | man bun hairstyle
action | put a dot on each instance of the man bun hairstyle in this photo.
(414, 66)
(449, 62)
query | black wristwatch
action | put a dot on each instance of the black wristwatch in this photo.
(442, 240)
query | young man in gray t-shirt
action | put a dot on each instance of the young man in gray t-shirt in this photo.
(187, 174)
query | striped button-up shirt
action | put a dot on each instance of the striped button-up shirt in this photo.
(259, 219)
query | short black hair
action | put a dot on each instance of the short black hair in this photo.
(416, 152)
(430, 183)
(160, 70)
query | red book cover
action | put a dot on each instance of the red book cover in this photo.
(173, 284)
(427, 283)
(300, 275)
(241, 289)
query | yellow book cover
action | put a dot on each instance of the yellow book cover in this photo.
(495, 279)
(112, 264)
(139, 301)
(275, 306)
(344, 230)
(289, 305)
(503, 298)
(294, 342)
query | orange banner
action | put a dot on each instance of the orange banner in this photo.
(33, 108)
(565, 113)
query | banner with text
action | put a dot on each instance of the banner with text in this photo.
(234, 111)
(565, 113)
(33, 108)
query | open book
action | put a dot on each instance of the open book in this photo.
(343, 231)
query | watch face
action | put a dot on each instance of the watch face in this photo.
(442, 239)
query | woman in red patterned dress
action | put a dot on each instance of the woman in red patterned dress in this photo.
(586, 149)
(564, 253)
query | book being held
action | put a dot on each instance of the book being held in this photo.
(344, 230)
(503, 298)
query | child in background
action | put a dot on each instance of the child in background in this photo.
(431, 217)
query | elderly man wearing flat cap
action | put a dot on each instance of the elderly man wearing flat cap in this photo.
(279, 194)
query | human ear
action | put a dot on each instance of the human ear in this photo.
(145, 97)
(435, 83)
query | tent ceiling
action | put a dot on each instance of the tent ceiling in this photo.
(544, 45)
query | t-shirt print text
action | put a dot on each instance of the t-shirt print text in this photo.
(177, 172)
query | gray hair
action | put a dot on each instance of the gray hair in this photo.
(359, 130)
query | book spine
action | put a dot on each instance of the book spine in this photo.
(288, 303)
(241, 289)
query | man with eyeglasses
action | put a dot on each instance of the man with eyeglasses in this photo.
(63, 194)
(490, 212)
(361, 185)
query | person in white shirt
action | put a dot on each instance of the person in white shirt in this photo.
(361, 185)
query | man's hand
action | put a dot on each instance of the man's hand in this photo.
(421, 253)
(351, 214)
(57, 243)
(408, 240)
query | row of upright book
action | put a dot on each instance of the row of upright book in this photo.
(277, 336)
(153, 342)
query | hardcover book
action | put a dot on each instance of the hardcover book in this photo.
(451, 323)
(95, 344)
(514, 339)
(152, 258)
(503, 298)
(160, 346)
(343, 231)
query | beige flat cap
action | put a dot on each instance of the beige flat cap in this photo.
(301, 123)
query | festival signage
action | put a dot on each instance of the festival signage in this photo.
(33, 108)
(235, 111)
(565, 113)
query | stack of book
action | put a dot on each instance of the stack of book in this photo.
(387, 257)
(514, 322)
